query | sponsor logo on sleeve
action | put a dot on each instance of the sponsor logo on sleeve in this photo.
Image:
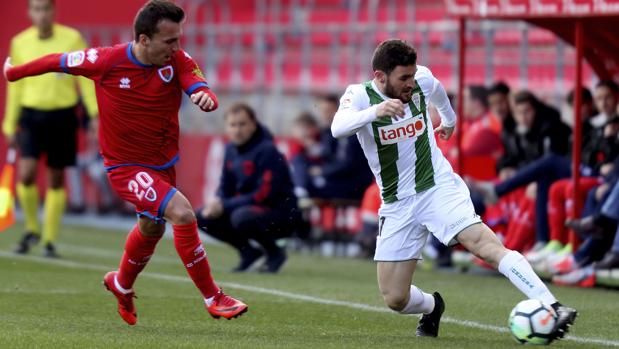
(197, 72)
(92, 55)
(407, 129)
(75, 59)
(166, 73)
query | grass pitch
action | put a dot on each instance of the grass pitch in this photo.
(314, 302)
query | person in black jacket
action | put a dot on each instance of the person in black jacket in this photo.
(255, 199)
(340, 171)
(540, 150)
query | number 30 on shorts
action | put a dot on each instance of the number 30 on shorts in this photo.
(141, 186)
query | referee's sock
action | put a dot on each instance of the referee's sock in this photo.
(28, 196)
(55, 201)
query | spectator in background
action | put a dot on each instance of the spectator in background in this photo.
(255, 199)
(540, 142)
(340, 171)
(481, 133)
(306, 133)
(41, 118)
(498, 103)
(482, 130)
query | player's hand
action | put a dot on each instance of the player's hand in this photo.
(213, 209)
(391, 108)
(202, 100)
(7, 66)
(11, 141)
(444, 132)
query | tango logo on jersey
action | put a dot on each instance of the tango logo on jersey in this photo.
(125, 83)
(395, 133)
(75, 58)
(166, 73)
(92, 55)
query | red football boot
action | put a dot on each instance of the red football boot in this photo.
(226, 306)
(126, 309)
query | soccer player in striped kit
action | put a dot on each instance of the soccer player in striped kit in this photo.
(139, 86)
(419, 189)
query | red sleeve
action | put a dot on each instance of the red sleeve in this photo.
(88, 63)
(191, 77)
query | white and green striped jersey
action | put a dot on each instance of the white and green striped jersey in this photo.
(402, 154)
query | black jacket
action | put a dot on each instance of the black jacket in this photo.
(256, 173)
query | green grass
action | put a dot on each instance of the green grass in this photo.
(61, 303)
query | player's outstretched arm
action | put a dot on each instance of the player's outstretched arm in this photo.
(45, 64)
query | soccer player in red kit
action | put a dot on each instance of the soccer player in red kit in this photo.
(139, 87)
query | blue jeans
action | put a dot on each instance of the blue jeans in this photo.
(545, 171)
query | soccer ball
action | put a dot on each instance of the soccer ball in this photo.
(532, 321)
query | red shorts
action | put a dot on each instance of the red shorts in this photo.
(148, 189)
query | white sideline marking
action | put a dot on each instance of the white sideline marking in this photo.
(290, 295)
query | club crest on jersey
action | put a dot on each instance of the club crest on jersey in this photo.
(410, 128)
(417, 101)
(166, 73)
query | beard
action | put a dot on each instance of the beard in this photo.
(391, 92)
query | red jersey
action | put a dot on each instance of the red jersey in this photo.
(138, 103)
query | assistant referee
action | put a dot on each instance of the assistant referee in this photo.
(41, 118)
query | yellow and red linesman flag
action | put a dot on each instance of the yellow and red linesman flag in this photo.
(7, 216)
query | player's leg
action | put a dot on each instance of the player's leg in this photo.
(53, 209)
(60, 144)
(189, 247)
(399, 244)
(483, 243)
(28, 196)
(139, 247)
(29, 141)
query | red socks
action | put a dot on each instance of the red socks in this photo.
(138, 250)
(190, 249)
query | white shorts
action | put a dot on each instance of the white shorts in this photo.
(444, 210)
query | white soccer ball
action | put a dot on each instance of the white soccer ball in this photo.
(532, 321)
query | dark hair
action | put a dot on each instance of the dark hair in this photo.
(52, 2)
(586, 96)
(152, 13)
(241, 107)
(479, 93)
(330, 98)
(611, 85)
(391, 53)
(525, 96)
(306, 119)
(499, 87)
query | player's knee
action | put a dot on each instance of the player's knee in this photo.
(395, 300)
(242, 218)
(183, 216)
(151, 229)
